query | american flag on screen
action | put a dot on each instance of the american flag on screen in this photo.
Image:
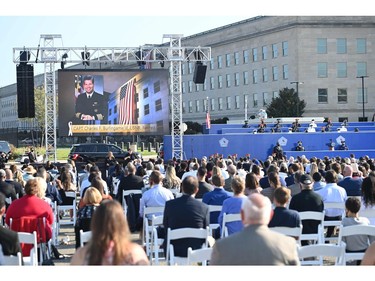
(127, 107)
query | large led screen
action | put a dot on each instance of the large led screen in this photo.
(113, 102)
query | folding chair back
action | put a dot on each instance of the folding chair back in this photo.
(13, 260)
(199, 256)
(227, 218)
(85, 236)
(334, 223)
(319, 251)
(29, 239)
(147, 230)
(317, 237)
(294, 232)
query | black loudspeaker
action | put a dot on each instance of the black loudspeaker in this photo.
(25, 91)
(199, 73)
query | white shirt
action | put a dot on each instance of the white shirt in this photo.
(156, 196)
(333, 193)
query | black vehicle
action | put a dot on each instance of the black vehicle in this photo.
(5, 151)
(97, 152)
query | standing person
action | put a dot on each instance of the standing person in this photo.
(307, 200)
(233, 205)
(90, 105)
(110, 243)
(32, 155)
(256, 244)
(185, 211)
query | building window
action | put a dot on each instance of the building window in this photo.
(341, 46)
(265, 74)
(275, 51)
(265, 99)
(212, 63)
(342, 95)
(275, 73)
(147, 109)
(285, 48)
(205, 85)
(145, 93)
(321, 46)
(228, 82)
(275, 94)
(190, 86)
(220, 104)
(197, 106)
(183, 69)
(183, 107)
(246, 101)
(285, 72)
(360, 95)
(264, 52)
(255, 76)
(190, 68)
(183, 87)
(322, 96)
(197, 87)
(246, 56)
(212, 105)
(255, 100)
(158, 105)
(220, 82)
(212, 83)
(219, 62)
(237, 102)
(341, 70)
(246, 78)
(236, 79)
(190, 106)
(361, 69)
(227, 60)
(236, 58)
(228, 99)
(156, 87)
(205, 108)
(322, 69)
(255, 54)
(361, 46)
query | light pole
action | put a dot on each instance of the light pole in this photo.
(363, 96)
(297, 83)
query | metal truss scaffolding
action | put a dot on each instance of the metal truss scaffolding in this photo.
(173, 53)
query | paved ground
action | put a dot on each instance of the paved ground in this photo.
(69, 249)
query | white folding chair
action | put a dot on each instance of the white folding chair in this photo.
(317, 237)
(126, 193)
(319, 251)
(84, 236)
(213, 226)
(29, 238)
(227, 218)
(345, 231)
(334, 223)
(12, 259)
(147, 230)
(67, 219)
(199, 256)
(155, 242)
(294, 232)
(179, 233)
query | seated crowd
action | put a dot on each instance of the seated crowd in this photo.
(266, 194)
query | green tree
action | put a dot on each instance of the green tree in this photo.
(285, 105)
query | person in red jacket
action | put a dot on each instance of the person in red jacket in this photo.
(31, 206)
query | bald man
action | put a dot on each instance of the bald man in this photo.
(256, 244)
(350, 184)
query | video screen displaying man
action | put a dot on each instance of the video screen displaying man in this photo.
(90, 105)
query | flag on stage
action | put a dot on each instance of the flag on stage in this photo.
(208, 120)
(127, 107)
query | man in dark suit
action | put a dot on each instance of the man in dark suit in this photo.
(256, 244)
(90, 105)
(185, 211)
(8, 238)
(350, 184)
(6, 188)
(130, 181)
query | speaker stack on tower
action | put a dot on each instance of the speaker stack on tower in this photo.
(199, 73)
(25, 88)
